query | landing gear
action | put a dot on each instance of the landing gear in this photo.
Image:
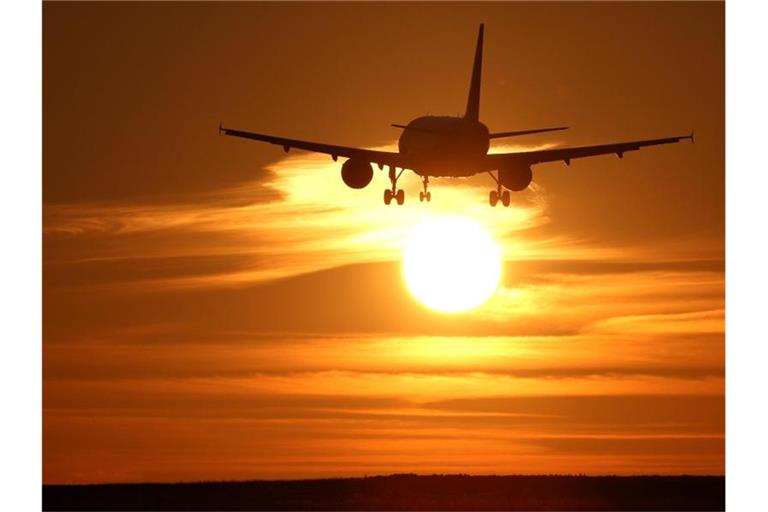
(394, 193)
(398, 196)
(505, 199)
(426, 194)
(498, 195)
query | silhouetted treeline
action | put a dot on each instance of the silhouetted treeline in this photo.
(404, 492)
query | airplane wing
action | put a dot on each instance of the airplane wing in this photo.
(567, 154)
(381, 158)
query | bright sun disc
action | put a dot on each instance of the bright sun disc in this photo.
(451, 264)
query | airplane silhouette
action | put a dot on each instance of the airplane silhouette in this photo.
(444, 146)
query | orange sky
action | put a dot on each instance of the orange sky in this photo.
(216, 309)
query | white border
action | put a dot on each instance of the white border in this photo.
(746, 254)
(20, 232)
(747, 257)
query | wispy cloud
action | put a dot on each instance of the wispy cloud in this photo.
(311, 221)
(202, 329)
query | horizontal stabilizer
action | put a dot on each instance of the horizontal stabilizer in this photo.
(525, 132)
(417, 128)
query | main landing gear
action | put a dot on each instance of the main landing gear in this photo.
(398, 196)
(425, 194)
(498, 195)
(394, 193)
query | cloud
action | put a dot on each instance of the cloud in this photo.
(312, 221)
(266, 326)
(689, 322)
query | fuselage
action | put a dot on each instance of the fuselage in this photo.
(445, 146)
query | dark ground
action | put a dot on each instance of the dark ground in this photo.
(403, 492)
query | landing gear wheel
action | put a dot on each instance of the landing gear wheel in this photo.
(493, 198)
(425, 194)
(505, 198)
(394, 193)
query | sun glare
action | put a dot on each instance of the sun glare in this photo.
(451, 264)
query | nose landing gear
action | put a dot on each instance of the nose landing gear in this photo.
(394, 193)
(426, 194)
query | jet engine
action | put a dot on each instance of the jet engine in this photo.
(516, 178)
(356, 173)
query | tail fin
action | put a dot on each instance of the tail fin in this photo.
(473, 101)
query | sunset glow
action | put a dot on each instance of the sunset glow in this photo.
(216, 309)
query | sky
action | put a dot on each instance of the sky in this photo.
(214, 308)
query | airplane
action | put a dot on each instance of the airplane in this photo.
(453, 147)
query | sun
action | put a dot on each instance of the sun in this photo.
(451, 264)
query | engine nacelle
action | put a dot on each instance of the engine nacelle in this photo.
(356, 173)
(516, 178)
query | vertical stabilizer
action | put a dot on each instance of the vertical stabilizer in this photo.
(473, 101)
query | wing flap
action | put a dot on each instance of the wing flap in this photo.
(567, 154)
(380, 158)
